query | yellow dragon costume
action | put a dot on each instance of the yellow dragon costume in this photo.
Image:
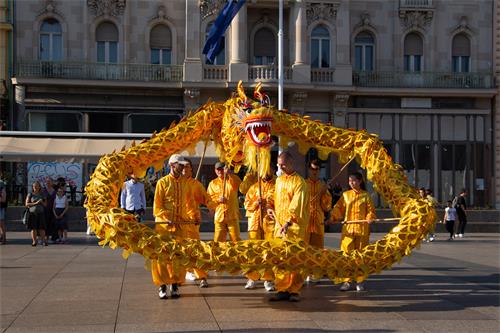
(241, 128)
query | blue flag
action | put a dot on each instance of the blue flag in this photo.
(215, 41)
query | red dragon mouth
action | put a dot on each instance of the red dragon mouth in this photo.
(259, 131)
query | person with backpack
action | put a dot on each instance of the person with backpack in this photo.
(461, 207)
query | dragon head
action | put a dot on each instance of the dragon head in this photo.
(246, 131)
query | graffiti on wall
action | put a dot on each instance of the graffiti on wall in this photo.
(71, 172)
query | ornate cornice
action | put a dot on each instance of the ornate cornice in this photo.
(49, 8)
(463, 26)
(321, 11)
(415, 19)
(161, 14)
(210, 7)
(106, 7)
(364, 23)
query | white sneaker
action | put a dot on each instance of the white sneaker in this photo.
(345, 286)
(250, 284)
(269, 286)
(311, 279)
(360, 287)
(190, 276)
(162, 292)
(460, 235)
(203, 283)
(431, 239)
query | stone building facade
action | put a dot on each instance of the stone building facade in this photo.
(420, 73)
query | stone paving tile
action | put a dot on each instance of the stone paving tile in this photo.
(460, 325)
(270, 324)
(77, 318)
(171, 314)
(63, 329)
(44, 305)
(6, 320)
(372, 326)
(168, 327)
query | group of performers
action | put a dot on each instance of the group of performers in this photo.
(287, 206)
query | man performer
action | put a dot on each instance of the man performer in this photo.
(258, 199)
(197, 195)
(320, 203)
(133, 197)
(169, 207)
(291, 215)
(224, 191)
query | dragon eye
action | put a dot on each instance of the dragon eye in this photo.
(247, 107)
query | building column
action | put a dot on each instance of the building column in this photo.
(20, 96)
(238, 66)
(496, 45)
(343, 67)
(301, 70)
(193, 70)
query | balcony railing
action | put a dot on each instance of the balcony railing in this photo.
(268, 73)
(322, 75)
(215, 72)
(99, 71)
(423, 80)
(415, 3)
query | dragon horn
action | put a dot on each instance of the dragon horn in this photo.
(241, 91)
(257, 94)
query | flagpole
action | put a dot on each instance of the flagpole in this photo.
(280, 57)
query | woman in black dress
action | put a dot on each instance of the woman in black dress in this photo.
(36, 202)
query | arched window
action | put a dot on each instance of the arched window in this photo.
(460, 53)
(320, 47)
(107, 43)
(413, 51)
(160, 42)
(50, 40)
(264, 47)
(363, 51)
(220, 59)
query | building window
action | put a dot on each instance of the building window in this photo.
(107, 43)
(54, 122)
(460, 53)
(320, 47)
(264, 49)
(160, 42)
(50, 40)
(105, 122)
(220, 59)
(363, 51)
(148, 123)
(413, 53)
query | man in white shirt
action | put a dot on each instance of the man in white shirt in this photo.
(133, 198)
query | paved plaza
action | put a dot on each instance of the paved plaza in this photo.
(81, 287)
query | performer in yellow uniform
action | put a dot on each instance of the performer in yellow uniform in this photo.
(355, 204)
(291, 215)
(249, 179)
(170, 206)
(224, 191)
(254, 205)
(197, 195)
(320, 202)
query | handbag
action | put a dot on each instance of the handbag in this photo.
(26, 216)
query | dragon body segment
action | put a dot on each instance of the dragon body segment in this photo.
(241, 128)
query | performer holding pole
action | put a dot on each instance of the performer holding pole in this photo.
(224, 191)
(260, 198)
(170, 206)
(354, 205)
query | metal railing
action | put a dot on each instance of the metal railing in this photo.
(215, 72)
(322, 75)
(268, 73)
(99, 71)
(423, 80)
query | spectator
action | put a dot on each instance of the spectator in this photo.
(461, 207)
(49, 192)
(133, 197)
(450, 215)
(35, 201)
(3, 210)
(59, 209)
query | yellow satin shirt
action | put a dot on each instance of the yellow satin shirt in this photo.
(170, 202)
(197, 196)
(291, 200)
(249, 179)
(252, 204)
(318, 205)
(353, 206)
(229, 211)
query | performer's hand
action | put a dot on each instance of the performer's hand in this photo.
(259, 202)
(284, 228)
(211, 213)
(270, 213)
(371, 221)
(197, 222)
(222, 200)
(170, 223)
